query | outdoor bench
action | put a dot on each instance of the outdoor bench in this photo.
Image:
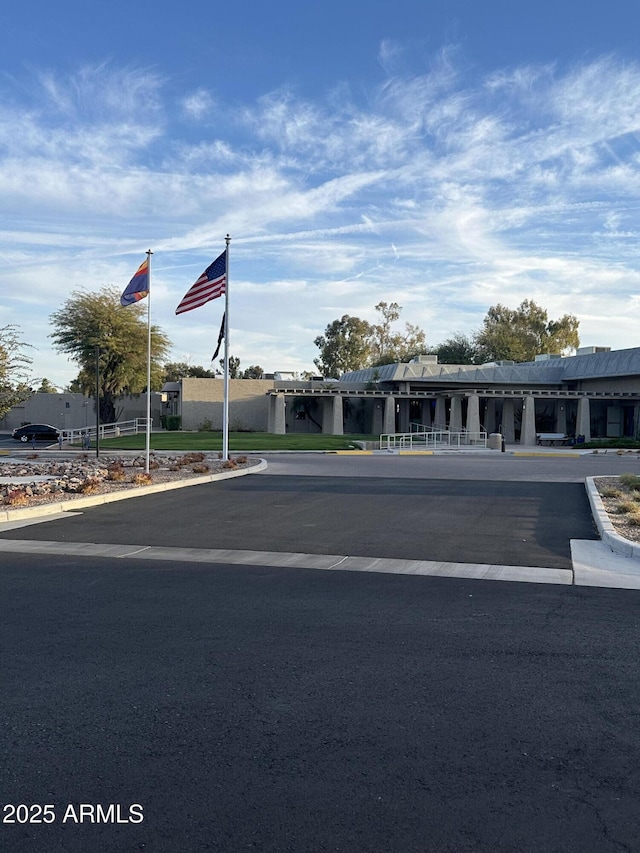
(552, 437)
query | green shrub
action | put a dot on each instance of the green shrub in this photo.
(174, 422)
(602, 443)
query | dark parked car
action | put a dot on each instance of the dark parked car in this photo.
(37, 432)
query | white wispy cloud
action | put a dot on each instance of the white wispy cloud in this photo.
(198, 104)
(436, 190)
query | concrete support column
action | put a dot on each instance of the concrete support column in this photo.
(473, 413)
(455, 414)
(440, 419)
(277, 410)
(528, 431)
(490, 415)
(508, 421)
(389, 424)
(332, 415)
(337, 425)
(583, 420)
(561, 416)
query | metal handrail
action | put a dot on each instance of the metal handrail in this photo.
(117, 429)
(432, 438)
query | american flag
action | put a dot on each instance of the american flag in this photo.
(211, 284)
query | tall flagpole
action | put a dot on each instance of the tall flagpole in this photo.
(225, 406)
(148, 430)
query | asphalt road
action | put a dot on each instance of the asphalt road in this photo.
(282, 709)
(287, 710)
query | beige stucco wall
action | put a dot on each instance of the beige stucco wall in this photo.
(75, 411)
(202, 401)
(64, 411)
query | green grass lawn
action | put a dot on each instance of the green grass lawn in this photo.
(238, 441)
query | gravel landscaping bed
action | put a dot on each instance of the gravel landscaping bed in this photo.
(622, 504)
(73, 477)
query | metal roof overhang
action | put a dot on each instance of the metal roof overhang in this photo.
(456, 392)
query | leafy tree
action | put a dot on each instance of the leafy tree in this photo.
(522, 333)
(345, 345)
(175, 370)
(389, 347)
(90, 320)
(234, 367)
(47, 387)
(253, 372)
(351, 343)
(307, 406)
(14, 364)
(458, 349)
(75, 386)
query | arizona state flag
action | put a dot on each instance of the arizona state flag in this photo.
(138, 287)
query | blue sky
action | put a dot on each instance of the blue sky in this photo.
(446, 155)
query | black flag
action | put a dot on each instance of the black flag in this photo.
(220, 339)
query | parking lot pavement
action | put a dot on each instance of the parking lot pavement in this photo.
(455, 521)
(515, 518)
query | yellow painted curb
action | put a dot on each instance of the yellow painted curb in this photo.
(350, 452)
(415, 453)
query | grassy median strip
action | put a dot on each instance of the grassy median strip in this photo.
(239, 442)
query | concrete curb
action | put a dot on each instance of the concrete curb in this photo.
(546, 453)
(607, 531)
(74, 504)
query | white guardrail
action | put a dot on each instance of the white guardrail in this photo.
(430, 439)
(106, 430)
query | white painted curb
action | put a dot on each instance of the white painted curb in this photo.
(606, 529)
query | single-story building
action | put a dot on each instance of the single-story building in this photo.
(593, 394)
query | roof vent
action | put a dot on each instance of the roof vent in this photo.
(424, 359)
(591, 350)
